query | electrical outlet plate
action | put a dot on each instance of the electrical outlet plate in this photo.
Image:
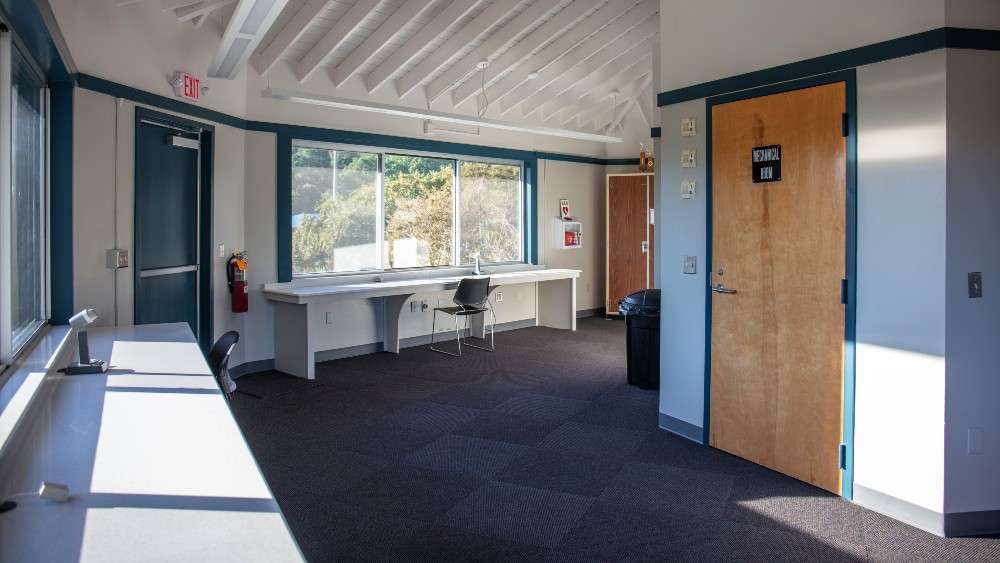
(689, 127)
(688, 189)
(689, 158)
(499, 298)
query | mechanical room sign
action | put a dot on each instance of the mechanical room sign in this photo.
(766, 163)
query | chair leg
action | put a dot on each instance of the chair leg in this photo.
(493, 323)
(434, 332)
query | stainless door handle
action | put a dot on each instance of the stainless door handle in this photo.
(719, 288)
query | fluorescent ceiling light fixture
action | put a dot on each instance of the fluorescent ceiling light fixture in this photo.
(438, 116)
(245, 30)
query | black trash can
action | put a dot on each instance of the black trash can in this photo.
(642, 341)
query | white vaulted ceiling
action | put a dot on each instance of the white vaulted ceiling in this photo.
(585, 64)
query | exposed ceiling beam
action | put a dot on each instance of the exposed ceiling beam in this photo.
(593, 70)
(645, 104)
(449, 49)
(167, 5)
(416, 44)
(626, 83)
(620, 115)
(602, 120)
(526, 56)
(193, 11)
(247, 26)
(504, 36)
(416, 113)
(377, 40)
(264, 60)
(333, 39)
(587, 57)
(567, 90)
(605, 80)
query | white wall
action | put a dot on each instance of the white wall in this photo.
(704, 40)
(899, 408)
(973, 325)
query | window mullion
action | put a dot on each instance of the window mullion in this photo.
(456, 216)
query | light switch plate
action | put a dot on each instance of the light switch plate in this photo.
(688, 189)
(688, 127)
(690, 264)
(222, 250)
(689, 158)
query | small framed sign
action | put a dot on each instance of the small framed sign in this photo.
(564, 209)
(766, 163)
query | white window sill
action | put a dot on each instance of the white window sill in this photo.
(22, 382)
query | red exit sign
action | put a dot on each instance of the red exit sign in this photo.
(187, 86)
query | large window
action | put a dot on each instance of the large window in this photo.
(24, 244)
(363, 209)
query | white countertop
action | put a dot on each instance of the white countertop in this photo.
(156, 465)
(304, 291)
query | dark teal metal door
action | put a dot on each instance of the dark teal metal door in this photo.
(166, 224)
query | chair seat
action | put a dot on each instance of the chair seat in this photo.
(462, 311)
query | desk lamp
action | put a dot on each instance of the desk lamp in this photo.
(79, 323)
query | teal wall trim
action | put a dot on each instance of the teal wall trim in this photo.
(102, 86)
(28, 24)
(286, 133)
(283, 207)
(110, 88)
(61, 201)
(849, 78)
(944, 37)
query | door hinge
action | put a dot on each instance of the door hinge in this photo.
(842, 456)
(843, 292)
(845, 124)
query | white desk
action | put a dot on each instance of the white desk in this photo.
(156, 465)
(295, 310)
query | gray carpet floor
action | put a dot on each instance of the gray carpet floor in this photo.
(538, 452)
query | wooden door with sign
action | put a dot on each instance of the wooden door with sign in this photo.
(629, 250)
(778, 258)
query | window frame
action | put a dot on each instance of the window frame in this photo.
(456, 159)
(10, 350)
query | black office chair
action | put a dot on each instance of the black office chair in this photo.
(218, 362)
(471, 298)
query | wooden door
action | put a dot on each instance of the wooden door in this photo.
(627, 228)
(777, 343)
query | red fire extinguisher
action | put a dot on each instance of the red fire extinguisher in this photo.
(236, 273)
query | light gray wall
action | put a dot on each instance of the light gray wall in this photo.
(680, 232)
(584, 186)
(973, 325)
(899, 405)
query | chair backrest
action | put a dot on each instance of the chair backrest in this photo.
(472, 292)
(218, 356)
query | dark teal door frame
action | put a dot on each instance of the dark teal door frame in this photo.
(173, 223)
(849, 78)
